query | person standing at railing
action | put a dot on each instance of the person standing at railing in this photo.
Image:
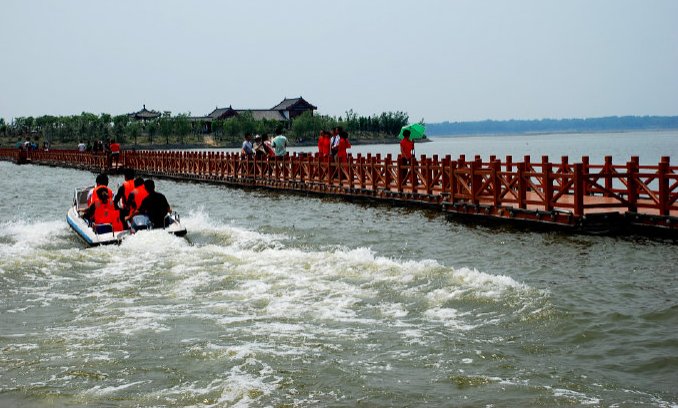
(342, 146)
(279, 143)
(334, 142)
(114, 147)
(406, 147)
(247, 150)
(406, 154)
(324, 144)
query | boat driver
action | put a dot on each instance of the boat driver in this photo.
(155, 205)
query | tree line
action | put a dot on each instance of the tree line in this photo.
(609, 123)
(182, 129)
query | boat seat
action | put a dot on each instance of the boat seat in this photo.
(103, 228)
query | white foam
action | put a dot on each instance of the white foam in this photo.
(24, 237)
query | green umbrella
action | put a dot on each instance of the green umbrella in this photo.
(416, 131)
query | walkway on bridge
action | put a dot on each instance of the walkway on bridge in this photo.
(581, 196)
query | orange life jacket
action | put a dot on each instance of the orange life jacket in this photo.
(139, 194)
(95, 198)
(128, 185)
(107, 214)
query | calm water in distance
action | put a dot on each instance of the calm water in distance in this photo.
(287, 300)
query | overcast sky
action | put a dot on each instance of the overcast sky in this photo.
(437, 59)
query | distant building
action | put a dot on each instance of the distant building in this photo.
(145, 114)
(285, 111)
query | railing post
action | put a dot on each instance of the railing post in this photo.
(428, 175)
(453, 180)
(631, 185)
(496, 182)
(578, 189)
(662, 178)
(476, 181)
(387, 163)
(586, 169)
(351, 173)
(522, 186)
(607, 170)
(547, 170)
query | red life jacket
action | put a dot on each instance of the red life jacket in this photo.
(139, 194)
(95, 198)
(115, 148)
(107, 214)
(128, 186)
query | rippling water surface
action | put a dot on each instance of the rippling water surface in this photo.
(280, 300)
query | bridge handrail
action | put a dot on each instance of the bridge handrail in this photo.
(542, 185)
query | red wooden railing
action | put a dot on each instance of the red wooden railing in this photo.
(576, 188)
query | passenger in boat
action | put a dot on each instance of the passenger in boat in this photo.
(101, 183)
(102, 211)
(124, 191)
(155, 206)
(324, 144)
(136, 197)
(279, 143)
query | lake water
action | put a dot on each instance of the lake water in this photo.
(285, 300)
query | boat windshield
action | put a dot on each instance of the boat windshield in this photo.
(80, 200)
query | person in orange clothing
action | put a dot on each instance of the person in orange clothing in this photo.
(102, 183)
(342, 146)
(115, 153)
(136, 197)
(406, 147)
(102, 211)
(324, 144)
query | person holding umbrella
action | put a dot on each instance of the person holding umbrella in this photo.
(407, 135)
(406, 147)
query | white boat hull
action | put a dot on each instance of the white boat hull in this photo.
(87, 233)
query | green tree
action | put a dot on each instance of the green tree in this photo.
(133, 130)
(152, 130)
(120, 123)
(166, 126)
(182, 127)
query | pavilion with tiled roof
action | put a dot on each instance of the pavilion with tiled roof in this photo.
(145, 114)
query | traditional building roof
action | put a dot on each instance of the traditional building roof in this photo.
(284, 111)
(294, 104)
(145, 114)
(260, 114)
(257, 114)
(221, 113)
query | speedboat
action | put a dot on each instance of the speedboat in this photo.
(103, 234)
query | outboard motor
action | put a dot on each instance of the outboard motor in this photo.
(140, 222)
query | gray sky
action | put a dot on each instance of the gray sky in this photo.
(436, 59)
